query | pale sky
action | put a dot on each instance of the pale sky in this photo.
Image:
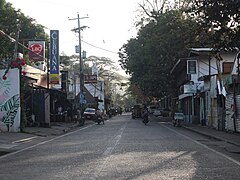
(111, 22)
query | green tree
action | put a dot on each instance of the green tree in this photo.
(107, 71)
(8, 23)
(10, 20)
(69, 62)
(219, 21)
(150, 56)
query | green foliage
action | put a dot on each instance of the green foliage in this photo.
(10, 19)
(23, 122)
(25, 90)
(166, 34)
(219, 22)
(107, 71)
(7, 24)
(150, 56)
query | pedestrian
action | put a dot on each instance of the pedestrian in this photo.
(60, 113)
(69, 114)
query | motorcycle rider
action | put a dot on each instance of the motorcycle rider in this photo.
(145, 115)
(100, 115)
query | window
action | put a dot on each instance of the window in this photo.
(191, 67)
(227, 67)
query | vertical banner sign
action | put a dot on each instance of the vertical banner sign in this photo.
(54, 57)
(38, 50)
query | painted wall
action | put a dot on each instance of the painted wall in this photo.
(10, 101)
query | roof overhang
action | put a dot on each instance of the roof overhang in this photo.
(198, 51)
(29, 79)
(205, 77)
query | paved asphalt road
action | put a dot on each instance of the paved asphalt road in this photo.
(123, 148)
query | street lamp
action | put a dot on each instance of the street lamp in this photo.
(81, 77)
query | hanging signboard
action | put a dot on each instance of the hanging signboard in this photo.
(70, 95)
(54, 57)
(190, 88)
(37, 52)
(88, 78)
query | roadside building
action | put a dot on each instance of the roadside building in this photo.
(201, 91)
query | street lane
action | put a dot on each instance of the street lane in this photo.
(123, 148)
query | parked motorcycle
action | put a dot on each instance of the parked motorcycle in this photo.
(99, 119)
(177, 120)
(99, 116)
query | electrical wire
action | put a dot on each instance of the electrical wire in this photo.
(99, 47)
(12, 40)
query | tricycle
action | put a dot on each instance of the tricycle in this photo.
(137, 111)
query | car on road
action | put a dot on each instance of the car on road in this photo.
(151, 109)
(157, 112)
(90, 114)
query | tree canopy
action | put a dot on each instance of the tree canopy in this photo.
(222, 19)
(167, 34)
(150, 56)
(12, 21)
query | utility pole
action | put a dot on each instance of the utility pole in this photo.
(81, 76)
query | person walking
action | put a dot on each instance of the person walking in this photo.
(69, 114)
(60, 113)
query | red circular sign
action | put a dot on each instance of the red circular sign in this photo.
(37, 48)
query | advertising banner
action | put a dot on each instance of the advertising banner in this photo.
(88, 78)
(70, 95)
(54, 57)
(10, 101)
(38, 48)
(190, 88)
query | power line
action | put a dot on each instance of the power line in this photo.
(15, 41)
(99, 47)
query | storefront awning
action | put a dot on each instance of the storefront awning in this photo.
(182, 96)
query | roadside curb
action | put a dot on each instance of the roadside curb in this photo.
(212, 136)
(55, 130)
(202, 133)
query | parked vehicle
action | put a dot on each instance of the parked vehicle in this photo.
(99, 117)
(137, 111)
(157, 112)
(177, 120)
(90, 114)
(165, 112)
(151, 109)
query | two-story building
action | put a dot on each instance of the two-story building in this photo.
(201, 94)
